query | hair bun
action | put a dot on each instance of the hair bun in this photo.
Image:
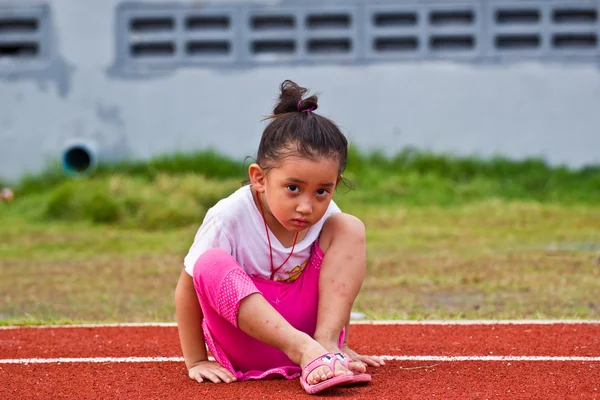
(290, 99)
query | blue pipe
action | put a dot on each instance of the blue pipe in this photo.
(80, 157)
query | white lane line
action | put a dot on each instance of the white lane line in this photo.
(360, 322)
(387, 358)
(481, 322)
(490, 358)
(91, 360)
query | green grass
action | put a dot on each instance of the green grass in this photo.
(447, 238)
(410, 177)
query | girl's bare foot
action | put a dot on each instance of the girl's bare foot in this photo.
(313, 350)
(355, 366)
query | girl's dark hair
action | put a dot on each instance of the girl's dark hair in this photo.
(294, 129)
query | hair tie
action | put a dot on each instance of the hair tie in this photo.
(307, 110)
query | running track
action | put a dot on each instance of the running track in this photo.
(425, 360)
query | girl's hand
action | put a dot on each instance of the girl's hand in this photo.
(372, 361)
(210, 371)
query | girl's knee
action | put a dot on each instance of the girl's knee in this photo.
(211, 261)
(345, 228)
(221, 283)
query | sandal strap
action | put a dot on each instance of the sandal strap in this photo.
(344, 359)
(327, 359)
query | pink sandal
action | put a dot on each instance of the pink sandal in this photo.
(329, 360)
(345, 360)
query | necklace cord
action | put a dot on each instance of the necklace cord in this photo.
(273, 270)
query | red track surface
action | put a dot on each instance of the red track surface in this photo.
(398, 379)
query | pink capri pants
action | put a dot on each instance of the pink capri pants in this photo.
(221, 283)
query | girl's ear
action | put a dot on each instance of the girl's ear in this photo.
(257, 177)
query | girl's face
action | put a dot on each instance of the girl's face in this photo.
(297, 192)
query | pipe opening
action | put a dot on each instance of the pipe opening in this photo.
(79, 159)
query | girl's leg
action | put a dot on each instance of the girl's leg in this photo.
(343, 241)
(220, 284)
(260, 320)
(264, 338)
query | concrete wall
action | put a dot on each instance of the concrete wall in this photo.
(517, 109)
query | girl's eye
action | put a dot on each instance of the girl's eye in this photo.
(293, 188)
(322, 192)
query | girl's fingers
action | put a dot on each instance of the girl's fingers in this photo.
(215, 373)
(197, 376)
(231, 375)
(367, 361)
(224, 375)
(371, 361)
(212, 376)
(379, 360)
(376, 360)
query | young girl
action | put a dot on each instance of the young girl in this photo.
(274, 270)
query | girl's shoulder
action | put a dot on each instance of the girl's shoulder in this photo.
(232, 207)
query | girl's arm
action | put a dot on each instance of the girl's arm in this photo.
(189, 321)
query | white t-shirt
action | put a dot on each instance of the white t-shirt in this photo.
(236, 225)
